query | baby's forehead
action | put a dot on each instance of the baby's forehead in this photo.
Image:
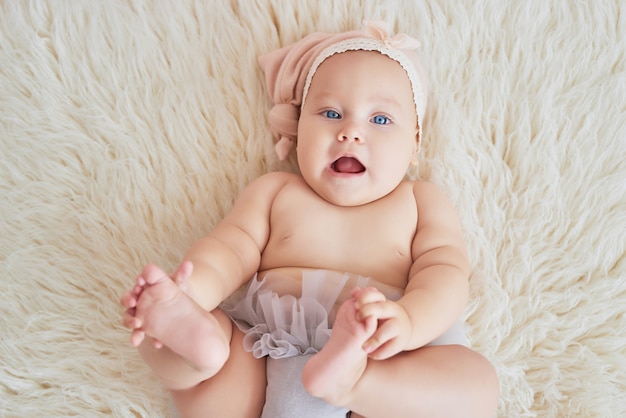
(356, 53)
(344, 55)
(371, 68)
(352, 56)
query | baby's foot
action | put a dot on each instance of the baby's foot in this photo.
(168, 315)
(332, 373)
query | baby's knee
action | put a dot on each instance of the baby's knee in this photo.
(490, 384)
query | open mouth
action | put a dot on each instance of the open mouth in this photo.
(347, 165)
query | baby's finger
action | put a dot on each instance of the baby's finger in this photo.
(374, 342)
(381, 344)
(370, 325)
(369, 295)
(379, 310)
(387, 350)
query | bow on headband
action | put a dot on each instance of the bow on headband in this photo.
(379, 29)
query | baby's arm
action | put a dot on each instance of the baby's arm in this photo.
(230, 254)
(437, 290)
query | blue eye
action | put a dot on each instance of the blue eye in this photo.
(331, 114)
(380, 120)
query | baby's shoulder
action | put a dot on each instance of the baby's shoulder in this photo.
(268, 186)
(432, 202)
(281, 179)
(418, 190)
(424, 190)
(274, 180)
(278, 177)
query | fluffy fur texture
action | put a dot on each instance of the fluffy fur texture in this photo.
(128, 128)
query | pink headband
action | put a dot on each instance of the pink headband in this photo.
(289, 71)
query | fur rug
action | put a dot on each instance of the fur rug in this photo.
(127, 128)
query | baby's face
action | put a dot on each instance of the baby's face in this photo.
(357, 131)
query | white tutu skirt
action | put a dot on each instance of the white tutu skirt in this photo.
(283, 326)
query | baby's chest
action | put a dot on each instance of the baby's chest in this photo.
(356, 238)
(350, 233)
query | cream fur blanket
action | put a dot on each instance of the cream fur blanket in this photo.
(127, 128)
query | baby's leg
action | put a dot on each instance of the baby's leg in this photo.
(435, 381)
(185, 344)
(221, 379)
(236, 391)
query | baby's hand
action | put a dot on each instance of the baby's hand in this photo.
(394, 326)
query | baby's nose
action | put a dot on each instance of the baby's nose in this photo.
(350, 132)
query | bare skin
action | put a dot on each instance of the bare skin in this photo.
(344, 373)
(350, 211)
(337, 368)
(161, 309)
(190, 349)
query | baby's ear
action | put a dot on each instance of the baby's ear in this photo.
(418, 138)
(415, 158)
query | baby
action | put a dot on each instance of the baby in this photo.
(338, 288)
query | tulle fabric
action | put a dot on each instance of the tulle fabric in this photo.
(286, 326)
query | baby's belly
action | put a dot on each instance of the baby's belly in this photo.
(284, 280)
(288, 281)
